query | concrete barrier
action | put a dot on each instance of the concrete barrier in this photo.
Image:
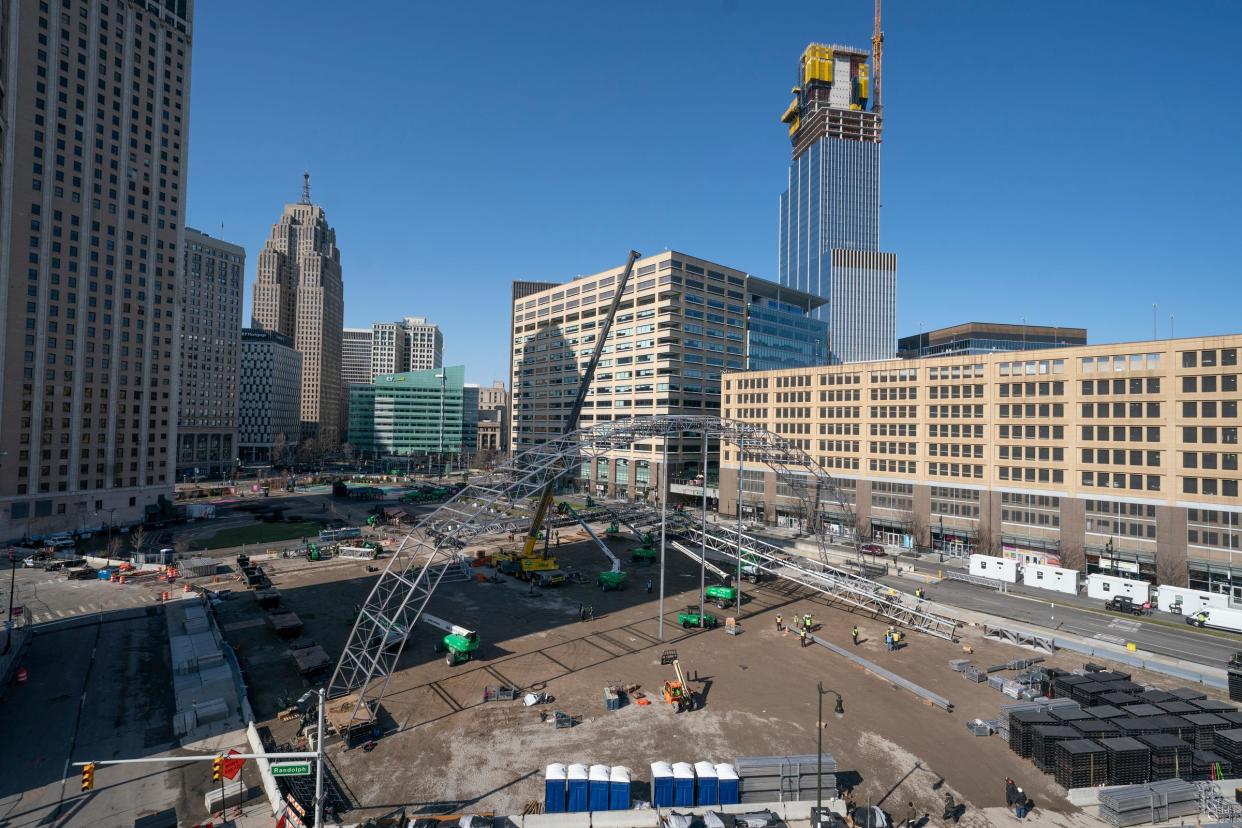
(562, 820)
(265, 767)
(647, 818)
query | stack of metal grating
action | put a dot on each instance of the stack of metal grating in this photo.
(1043, 743)
(1228, 743)
(1207, 764)
(785, 778)
(1149, 804)
(1205, 724)
(1170, 756)
(1022, 730)
(1080, 763)
(1129, 761)
(1235, 677)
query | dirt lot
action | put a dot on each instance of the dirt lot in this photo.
(448, 749)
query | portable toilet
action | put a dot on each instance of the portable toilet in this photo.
(683, 784)
(554, 789)
(579, 795)
(726, 781)
(598, 787)
(709, 791)
(619, 788)
(661, 784)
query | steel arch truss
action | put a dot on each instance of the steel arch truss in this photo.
(504, 501)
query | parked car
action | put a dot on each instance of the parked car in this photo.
(873, 549)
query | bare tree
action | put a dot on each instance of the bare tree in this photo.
(113, 549)
(1073, 557)
(986, 542)
(138, 538)
(182, 548)
(918, 531)
(280, 447)
(1171, 571)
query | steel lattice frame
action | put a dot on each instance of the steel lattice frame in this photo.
(503, 502)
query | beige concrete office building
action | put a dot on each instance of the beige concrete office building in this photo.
(95, 124)
(682, 322)
(210, 330)
(298, 292)
(424, 344)
(493, 434)
(1119, 458)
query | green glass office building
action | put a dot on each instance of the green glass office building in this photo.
(415, 412)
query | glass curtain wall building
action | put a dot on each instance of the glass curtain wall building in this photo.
(414, 412)
(829, 242)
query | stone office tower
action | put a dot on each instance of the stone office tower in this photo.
(94, 122)
(298, 292)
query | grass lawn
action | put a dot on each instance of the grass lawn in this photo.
(259, 533)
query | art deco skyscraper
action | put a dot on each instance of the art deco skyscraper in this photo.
(298, 292)
(830, 213)
(93, 152)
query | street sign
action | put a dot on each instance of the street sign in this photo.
(291, 769)
(232, 767)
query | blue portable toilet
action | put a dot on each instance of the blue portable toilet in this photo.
(554, 789)
(727, 783)
(709, 792)
(597, 785)
(619, 788)
(683, 784)
(661, 784)
(579, 792)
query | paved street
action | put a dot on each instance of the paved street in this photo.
(99, 691)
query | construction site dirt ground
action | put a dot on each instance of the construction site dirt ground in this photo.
(447, 750)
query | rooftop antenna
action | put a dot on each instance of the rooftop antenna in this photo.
(305, 188)
(877, 56)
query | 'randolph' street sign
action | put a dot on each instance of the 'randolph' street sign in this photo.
(291, 768)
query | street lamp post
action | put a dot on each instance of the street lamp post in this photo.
(8, 621)
(442, 377)
(839, 711)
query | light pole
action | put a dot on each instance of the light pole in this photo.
(839, 711)
(440, 442)
(8, 621)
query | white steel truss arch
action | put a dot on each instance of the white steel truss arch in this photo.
(503, 502)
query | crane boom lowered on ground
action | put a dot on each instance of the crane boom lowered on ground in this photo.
(571, 421)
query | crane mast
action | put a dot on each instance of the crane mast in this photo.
(877, 59)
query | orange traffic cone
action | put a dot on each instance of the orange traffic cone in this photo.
(121, 579)
(163, 596)
(185, 587)
(21, 675)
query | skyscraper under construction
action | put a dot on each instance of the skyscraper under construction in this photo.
(830, 213)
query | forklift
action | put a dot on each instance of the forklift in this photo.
(678, 693)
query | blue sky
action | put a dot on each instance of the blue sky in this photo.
(1062, 161)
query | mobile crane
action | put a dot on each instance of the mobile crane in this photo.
(529, 552)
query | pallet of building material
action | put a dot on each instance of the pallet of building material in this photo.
(1080, 763)
(1043, 742)
(1129, 760)
(1117, 698)
(996, 682)
(1209, 765)
(957, 665)
(1156, 697)
(1170, 756)
(975, 675)
(1111, 675)
(1134, 727)
(1089, 693)
(1187, 694)
(1234, 719)
(1228, 743)
(1021, 726)
(1235, 684)
(1175, 726)
(1148, 804)
(1140, 709)
(979, 727)
(1068, 714)
(1105, 711)
(1177, 707)
(1214, 706)
(1096, 728)
(1062, 685)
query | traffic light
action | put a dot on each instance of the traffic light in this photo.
(88, 777)
(217, 768)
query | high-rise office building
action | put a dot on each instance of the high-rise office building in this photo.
(424, 344)
(682, 322)
(355, 356)
(388, 349)
(830, 212)
(210, 327)
(298, 292)
(270, 393)
(431, 412)
(95, 122)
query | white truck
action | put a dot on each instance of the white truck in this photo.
(1218, 618)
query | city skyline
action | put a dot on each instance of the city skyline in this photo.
(956, 204)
